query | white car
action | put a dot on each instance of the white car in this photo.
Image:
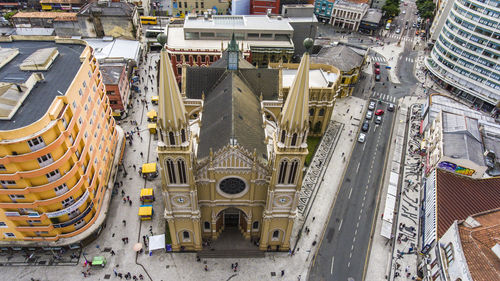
(369, 115)
(398, 31)
(404, 12)
(371, 106)
(362, 138)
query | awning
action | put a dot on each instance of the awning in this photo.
(146, 192)
(46, 7)
(148, 168)
(152, 114)
(155, 98)
(152, 126)
(116, 114)
(145, 210)
(421, 127)
(157, 242)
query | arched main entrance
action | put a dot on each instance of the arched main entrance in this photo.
(232, 219)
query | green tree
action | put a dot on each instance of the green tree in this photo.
(427, 9)
(9, 15)
(391, 9)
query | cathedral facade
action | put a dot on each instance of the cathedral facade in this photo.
(232, 151)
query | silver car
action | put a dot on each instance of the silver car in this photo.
(369, 115)
(371, 106)
(361, 138)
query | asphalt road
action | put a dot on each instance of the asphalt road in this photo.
(344, 246)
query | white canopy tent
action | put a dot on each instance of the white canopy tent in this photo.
(156, 242)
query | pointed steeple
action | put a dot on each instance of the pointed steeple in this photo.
(295, 113)
(294, 117)
(172, 113)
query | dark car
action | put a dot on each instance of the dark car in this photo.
(366, 126)
(390, 107)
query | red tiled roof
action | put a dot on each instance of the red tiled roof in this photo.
(47, 15)
(459, 197)
(477, 242)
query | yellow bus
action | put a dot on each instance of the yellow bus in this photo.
(149, 20)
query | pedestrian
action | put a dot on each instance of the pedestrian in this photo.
(124, 222)
(130, 203)
(232, 266)
(206, 267)
(123, 193)
(120, 275)
(116, 273)
(121, 183)
(124, 200)
(135, 278)
(282, 273)
(126, 240)
(112, 252)
(314, 218)
(128, 198)
(141, 277)
(142, 155)
(134, 166)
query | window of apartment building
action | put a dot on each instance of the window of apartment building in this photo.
(449, 255)
(179, 70)
(85, 135)
(185, 236)
(255, 225)
(15, 197)
(91, 148)
(202, 5)
(68, 202)
(61, 189)
(84, 84)
(90, 74)
(44, 160)
(36, 143)
(86, 107)
(196, 5)
(89, 99)
(95, 161)
(7, 183)
(3, 224)
(91, 121)
(185, 5)
(94, 113)
(34, 221)
(113, 102)
(80, 120)
(2, 167)
(54, 175)
(94, 89)
(74, 213)
(74, 104)
(80, 92)
(9, 235)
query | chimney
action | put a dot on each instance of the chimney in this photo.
(269, 12)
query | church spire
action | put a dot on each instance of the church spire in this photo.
(294, 118)
(172, 113)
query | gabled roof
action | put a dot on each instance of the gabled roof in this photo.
(231, 115)
(459, 197)
(477, 244)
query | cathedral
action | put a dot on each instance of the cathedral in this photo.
(231, 148)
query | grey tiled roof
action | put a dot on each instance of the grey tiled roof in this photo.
(231, 115)
(340, 56)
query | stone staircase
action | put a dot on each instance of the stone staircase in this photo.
(223, 254)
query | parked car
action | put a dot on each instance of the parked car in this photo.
(366, 126)
(371, 106)
(369, 115)
(377, 70)
(398, 31)
(377, 65)
(378, 119)
(361, 138)
(404, 12)
(379, 112)
(390, 107)
(377, 77)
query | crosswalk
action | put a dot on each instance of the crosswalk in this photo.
(404, 38)
(384, 97)
(376, 59)
(407, 59)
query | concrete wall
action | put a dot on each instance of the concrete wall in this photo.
(302, 30)
(67, 28)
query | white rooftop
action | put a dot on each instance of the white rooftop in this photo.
(175, 39)
(317, 78)
(118, 48)
(250, 22)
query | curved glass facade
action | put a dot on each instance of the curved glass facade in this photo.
(465, 55)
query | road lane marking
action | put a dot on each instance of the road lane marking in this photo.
(340, 225)
(357, 170)
(364, 145)
(350, 192)
(356, 232)
(352, 247)
(331, 267)
(349, 264)
(354, 239)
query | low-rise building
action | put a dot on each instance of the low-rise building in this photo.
(468, 250)
(201, 40)
(348, 15)
(348, 61)
(323, 10)
(68, 5)
(114, 19)
(183, 8)
(46, 23)
(117, 84)
(58, 145)
(459, 139)
(370, 21)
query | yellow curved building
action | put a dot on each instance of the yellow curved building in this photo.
(58, 140)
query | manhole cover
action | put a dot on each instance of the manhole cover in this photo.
(273, 274)
(107, 276)
(107, 250)
(42, 262)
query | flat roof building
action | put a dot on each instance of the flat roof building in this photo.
(58, 145)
